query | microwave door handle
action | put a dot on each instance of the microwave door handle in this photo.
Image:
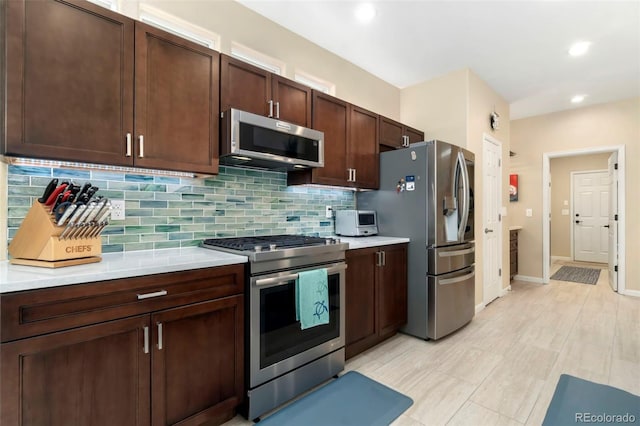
(466, 201)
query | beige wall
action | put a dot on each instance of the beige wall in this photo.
(456, 108)
(439, 107)
(561, 169)
(614, 123)
(234, 22)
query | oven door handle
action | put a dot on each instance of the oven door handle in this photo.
(289, 277)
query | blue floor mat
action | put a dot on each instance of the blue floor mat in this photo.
(578, 401)
(351, 400)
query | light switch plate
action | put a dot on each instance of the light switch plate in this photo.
(529, 212)
(565, 212)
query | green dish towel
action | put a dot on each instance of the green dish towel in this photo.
(312, 298)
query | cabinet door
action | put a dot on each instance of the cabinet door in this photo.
(69, 81)
(177, 102)
(360, 300)
(393, 289)
(293, 101)
(244, 87)
(96, 375)
(331, 116)
(413, 134)
(197, 363)
(363, 151)
(391, 133)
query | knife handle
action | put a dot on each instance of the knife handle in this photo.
(54, 195)
(48, 190)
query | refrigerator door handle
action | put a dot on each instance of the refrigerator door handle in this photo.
(465, 199)
(457, 279)
(456, 252)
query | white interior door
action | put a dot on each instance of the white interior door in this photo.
(591, 216)
(613, 222)
(492, 226)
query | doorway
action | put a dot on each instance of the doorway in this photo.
(492, 219)
(617, 265)
(590, 217)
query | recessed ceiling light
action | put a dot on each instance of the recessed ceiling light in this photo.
(365, 12)
(577, 99)
(579, 48)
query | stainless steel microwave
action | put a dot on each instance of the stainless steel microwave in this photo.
(356, 223)
(252, 140)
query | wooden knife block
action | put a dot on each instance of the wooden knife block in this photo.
(37, 243)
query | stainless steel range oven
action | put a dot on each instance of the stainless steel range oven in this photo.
(282, 359)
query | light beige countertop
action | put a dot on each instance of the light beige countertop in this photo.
(114, 266)
(372, 241)
(515, 228)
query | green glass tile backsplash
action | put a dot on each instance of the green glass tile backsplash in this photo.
(163, 212)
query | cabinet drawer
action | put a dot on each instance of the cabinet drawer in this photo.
(36, 312)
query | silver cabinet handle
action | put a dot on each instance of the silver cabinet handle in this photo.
(456, 279)
(487, 230)
(128, 153)
(146, 339)
(379, 258)
(141, 153)
(354, 175)
(384, 258)
(277, 109)
(159, 336)
(270, 108)
(349, 175)
(154, 294)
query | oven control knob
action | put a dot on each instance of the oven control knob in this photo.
(272, 247)
(257, 249)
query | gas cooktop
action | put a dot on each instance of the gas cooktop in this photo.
(268, 242)
(271, 247)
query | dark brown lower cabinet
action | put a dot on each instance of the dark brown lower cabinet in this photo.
(94, 375)
(376, 295)
(178, 360)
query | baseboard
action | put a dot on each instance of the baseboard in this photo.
(479, 307)
(528, 279)
(561, 258)
(634, 293)
(505, 290)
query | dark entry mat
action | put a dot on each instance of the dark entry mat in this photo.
(577, 274)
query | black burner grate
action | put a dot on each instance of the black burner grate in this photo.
(250, 243)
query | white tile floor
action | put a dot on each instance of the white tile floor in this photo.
(502, 368)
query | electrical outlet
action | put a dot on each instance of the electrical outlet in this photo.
(117, 209)
(328, 213)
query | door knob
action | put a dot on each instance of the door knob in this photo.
(487, 230)
(577, 221)
(605, 226)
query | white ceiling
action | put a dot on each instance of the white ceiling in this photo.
(518, 47)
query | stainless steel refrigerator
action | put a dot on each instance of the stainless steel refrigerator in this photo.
(426, 194)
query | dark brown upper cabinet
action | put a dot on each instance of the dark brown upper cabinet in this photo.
(350, 145)
(362, 149)
(70, 89)
(253, 89)
(69, 73)
(394, 135)
(176, 108)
